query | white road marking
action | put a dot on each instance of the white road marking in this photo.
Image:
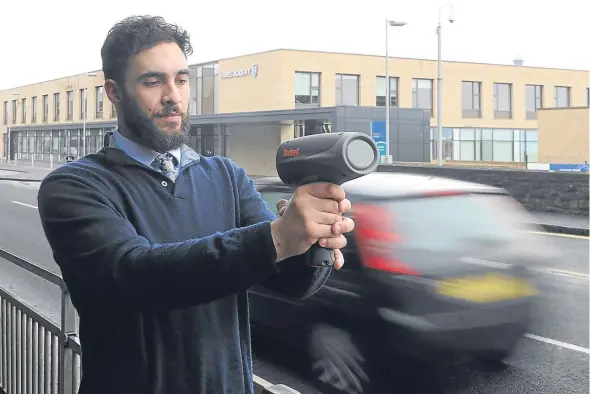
(25, 205)
(555, 271)
(558, 343)
(561, 235)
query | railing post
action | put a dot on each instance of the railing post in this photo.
(68, 330)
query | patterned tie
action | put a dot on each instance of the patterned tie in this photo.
(166, 164)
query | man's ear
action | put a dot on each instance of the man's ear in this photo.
(113, 91)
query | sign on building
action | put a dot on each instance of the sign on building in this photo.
(244, 72)
(378, 134)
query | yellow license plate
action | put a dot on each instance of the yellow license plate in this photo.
(486, 288)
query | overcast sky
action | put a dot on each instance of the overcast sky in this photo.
(44, 40)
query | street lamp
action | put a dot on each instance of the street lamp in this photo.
(439, 81)
(388, 24)
(84, 105)
(12, 110)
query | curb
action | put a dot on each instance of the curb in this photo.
(557, 229)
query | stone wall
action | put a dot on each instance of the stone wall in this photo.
(537, 190)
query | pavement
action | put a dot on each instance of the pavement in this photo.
(554, 358)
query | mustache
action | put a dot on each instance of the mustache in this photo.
(169, 110)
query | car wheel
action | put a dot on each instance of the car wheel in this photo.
(337, 362)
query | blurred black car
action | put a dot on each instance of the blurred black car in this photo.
(433, 266)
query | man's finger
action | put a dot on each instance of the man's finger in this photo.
(326, 191)
(344, 205)
(346, 225)
(338, 259)
(326, 205)
(327, 218)
(338, 242)
(281, 206)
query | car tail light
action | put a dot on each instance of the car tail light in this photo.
(376, 239)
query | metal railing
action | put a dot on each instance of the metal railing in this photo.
(38, 356)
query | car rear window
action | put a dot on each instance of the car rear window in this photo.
(446, 222)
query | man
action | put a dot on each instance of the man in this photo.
(158, 245)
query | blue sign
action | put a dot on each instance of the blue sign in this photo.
(569, 167)
(378, 135)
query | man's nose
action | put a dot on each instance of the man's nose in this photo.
(171, 95)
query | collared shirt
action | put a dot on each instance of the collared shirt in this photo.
(139, 152)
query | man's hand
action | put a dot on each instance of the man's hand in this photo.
(314, 214)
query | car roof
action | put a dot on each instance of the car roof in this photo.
(398, 184)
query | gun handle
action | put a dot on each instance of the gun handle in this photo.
(319, 257)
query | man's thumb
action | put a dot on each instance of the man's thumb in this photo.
(281, 206)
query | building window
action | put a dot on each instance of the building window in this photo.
(347, 89)
(562, 96)
(422, 94)
(45, 108)
(83, 104)
(99, 101)
(56, 107)
(307, 89)
(14, 103)
(534, 100)
(381, 92)
(5, 117)
(587, 97)
(204, 89)
(502, 100)
(494, 145)
(471, 99)
(34, 110)
(23, 104)
(208, 89)
(113, 111)
(70, 96)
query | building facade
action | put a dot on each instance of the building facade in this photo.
(490, 112)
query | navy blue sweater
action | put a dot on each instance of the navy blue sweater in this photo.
(159, 272)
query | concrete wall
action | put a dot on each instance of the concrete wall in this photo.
(537, 191)
(563, 135)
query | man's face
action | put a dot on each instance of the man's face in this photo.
(155, 98)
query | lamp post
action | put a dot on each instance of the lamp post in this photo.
(439, 81)
(84, 105)
(388, 24)
(12, 111)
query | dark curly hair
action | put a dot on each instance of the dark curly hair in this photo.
(132, 35)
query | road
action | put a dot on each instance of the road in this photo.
(552, 359)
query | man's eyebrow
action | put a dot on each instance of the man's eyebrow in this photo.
(158, 74)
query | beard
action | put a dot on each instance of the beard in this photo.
(145, 131)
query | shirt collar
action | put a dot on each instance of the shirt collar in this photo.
(139, 152)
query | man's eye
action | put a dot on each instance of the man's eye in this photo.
(182, 81)
(151, 83)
